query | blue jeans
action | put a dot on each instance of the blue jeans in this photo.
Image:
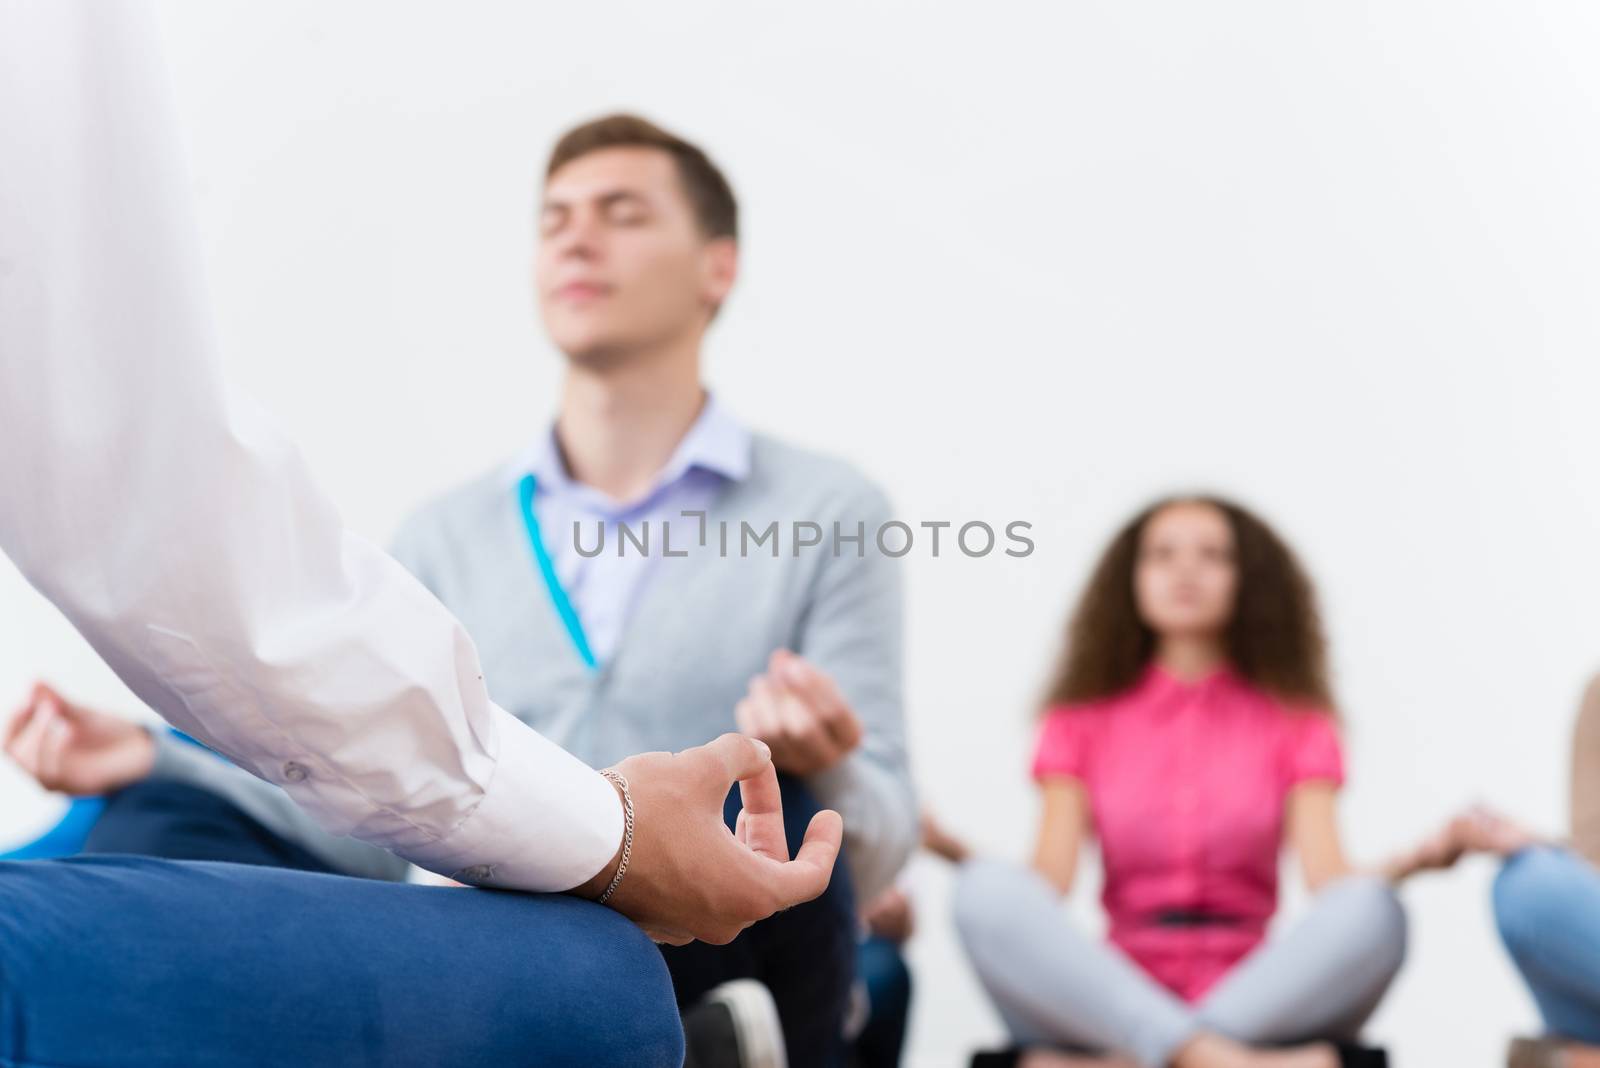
(1547, 905)
(805, 955)
(882, 970)
(177, 821)
(116, 960)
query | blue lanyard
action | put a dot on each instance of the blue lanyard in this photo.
(547, 569)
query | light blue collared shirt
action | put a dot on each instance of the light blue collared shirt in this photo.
(604, 588)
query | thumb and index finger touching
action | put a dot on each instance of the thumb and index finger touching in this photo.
(29, 722)
(43, 703)
(748, 761)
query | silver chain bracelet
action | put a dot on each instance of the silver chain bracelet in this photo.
(621, 782)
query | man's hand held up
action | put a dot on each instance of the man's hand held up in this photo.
(800, 712)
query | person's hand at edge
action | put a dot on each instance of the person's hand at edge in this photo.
(76, 750)
(1483, 830)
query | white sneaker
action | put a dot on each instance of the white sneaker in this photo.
(734, 1026)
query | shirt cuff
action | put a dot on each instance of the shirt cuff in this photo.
(546, 823)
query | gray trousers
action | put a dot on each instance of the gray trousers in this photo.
(1055, 986)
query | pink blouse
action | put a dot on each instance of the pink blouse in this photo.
(1186, 785)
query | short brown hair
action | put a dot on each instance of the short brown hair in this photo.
(1274, 639)
(709, 193)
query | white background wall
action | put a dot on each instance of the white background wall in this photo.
(1026, 262)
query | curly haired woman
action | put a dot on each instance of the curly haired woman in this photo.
(1190, 730)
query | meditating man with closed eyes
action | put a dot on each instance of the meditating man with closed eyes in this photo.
(635, 647)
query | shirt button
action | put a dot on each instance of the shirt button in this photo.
(295, 772)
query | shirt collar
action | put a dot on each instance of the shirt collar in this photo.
(1158, 677)
(715, 442)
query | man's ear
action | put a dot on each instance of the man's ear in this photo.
(721, 270)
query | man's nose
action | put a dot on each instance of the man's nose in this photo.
(580, 238)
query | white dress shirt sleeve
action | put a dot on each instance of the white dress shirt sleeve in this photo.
(180, 532)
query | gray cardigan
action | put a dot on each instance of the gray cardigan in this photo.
(704, 625)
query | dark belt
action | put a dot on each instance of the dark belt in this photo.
(1191, 918)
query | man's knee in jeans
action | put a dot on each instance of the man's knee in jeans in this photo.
(1531, 894)
(634, 1022)
(326, 970)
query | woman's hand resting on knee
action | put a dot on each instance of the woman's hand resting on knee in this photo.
(1482, 830)
(1477, 830)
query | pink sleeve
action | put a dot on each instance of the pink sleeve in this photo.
(1314, 750)
(1064, 741)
